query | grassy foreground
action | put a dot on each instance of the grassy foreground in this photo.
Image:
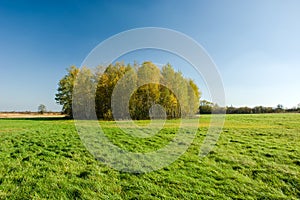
(256, 157)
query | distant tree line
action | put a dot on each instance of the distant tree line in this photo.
(207, 107)
(177, 95)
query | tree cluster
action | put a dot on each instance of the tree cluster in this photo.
(207, 107)
(148, 85)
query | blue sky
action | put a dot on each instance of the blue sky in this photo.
(255, 44)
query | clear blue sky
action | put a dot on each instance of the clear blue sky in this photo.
(255, 44)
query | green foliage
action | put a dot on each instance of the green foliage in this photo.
(106, 84)
(42, 109)
(177, 95)
(205, 107)
(148, 92)
(84, 93)
(256, 157)
(65, 90)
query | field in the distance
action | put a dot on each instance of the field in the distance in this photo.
(29, 115)
(256, 157)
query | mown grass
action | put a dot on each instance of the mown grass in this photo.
(256, 157)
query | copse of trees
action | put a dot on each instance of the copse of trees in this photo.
(178, 95)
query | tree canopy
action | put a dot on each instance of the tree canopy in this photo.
(148, 86)
(65, 90)
(42, 109)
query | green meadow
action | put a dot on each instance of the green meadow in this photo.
(256, 157)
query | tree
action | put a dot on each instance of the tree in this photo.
(180, 96)
(65, 90)
(105, 86)
(83, 96)
(42, 109)
(205, 107)
(194, 97)
(122, 107)
(148, 92)
(168, 98)
(279, 108)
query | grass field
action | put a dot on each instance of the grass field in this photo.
(256, 157)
